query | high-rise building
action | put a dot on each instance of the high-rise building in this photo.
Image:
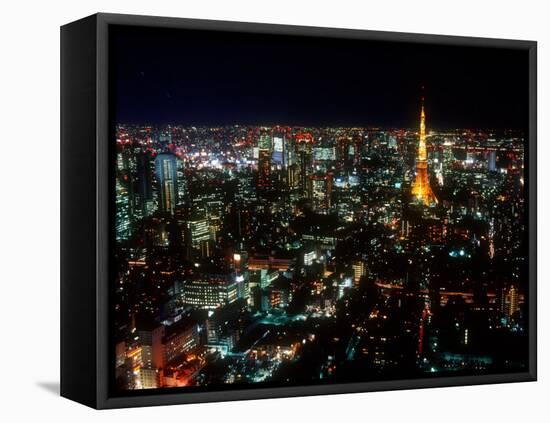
(182, 183)
(421, 189)
(280, 153)
(492, 161)
(167, 178)
(144, 177)
(181, 337)
(304, 147)
(359, 270)
(149, 378)
(321, 191)
(264, 162)
(511, 301)
(150, 338)
(246, 191)
(122, 206)
(342, 147)
(125, 195)
(357, 147)
(392, 142)
(197, 230)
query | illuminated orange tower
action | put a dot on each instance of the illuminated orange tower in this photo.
(421, 188)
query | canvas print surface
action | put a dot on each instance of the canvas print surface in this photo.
(292, 210)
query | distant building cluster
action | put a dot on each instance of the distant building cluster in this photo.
(298, 254)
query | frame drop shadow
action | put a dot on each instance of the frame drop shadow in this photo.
(51, 387)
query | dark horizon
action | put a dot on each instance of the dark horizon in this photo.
(206, 78)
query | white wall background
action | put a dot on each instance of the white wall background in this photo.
(29, 207)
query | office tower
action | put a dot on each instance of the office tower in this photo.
(183, 194)
(359, 270)
(246, 190)
(181, 337)
(125, 204)
(357, 147)
(167, 179)
(280, 153)
(197, 231)
(264, 162)
(209, 290)
(207, 248)
(304, 148)
(392, 142)
(150, 338)
(343, 148)
(511, 301)
(321, 191)
(492, 161)
(122, 211)
(144, 182)
(421, 188)
(293, 176)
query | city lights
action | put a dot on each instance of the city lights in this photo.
(297, 210)
(240, 261)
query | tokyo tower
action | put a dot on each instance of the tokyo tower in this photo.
(421, 188)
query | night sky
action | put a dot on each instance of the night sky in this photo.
(215, 78)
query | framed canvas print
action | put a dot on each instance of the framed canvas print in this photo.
(255, 211)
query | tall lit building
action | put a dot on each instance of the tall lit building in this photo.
(321, 191)
(167, 178)
(125, 196)
(264, 161)
(122, 204)
(144, 191)
(511, 301)
(304, 147)
(197, 230)
(357, 148)
(180, 338)
(344, 147)
(492, 161)
(421, 188)
(280, 150)
(150, 337)
(359, 270)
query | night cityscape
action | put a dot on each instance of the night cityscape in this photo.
(263, 252)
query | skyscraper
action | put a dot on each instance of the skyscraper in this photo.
(167, 178)
(321, 191)
(144, 192)
(264, 161)
(492, 161)
(122, 204)
(280, 150)
(342, 152)
(304, 147)
(359, 269)
(511, 301)
(421, 188)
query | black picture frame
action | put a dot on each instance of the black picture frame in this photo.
(85, 212)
